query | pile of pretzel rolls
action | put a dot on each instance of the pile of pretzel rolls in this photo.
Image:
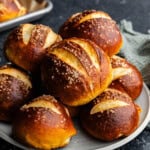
(78, 74)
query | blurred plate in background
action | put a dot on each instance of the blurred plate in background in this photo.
(26, 18)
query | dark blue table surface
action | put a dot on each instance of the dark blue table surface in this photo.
(137, 11)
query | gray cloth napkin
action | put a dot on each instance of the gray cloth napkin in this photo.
(136, 49)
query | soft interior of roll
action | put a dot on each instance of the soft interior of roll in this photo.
(89, 50)
(43, 104)
(27, 30)
(17, 74)
(107, 105)
(50, 39)
(69, 59)
(119, 72)
(94, 15)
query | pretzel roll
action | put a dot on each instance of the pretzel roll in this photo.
(94, 25)
(43, 123)
(15, 90)
(25, 46)
(110, 116)
(10, 9)
(126, 77)
(76, 71)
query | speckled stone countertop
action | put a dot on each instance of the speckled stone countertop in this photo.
(137, 11)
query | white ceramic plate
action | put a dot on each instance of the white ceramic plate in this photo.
(26, 18)
(85, 142)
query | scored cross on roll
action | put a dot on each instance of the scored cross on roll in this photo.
(43, 123)
(25, 46)
(126, 77)
(76, 71)
(15, 89)
(110, 116)
(96, 26)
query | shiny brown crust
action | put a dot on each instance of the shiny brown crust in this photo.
(14, 91)
(10, 9)
(76, 71)
(96, 26)
(25, 46)
(46, 120)
(113, 121)
(132, 82)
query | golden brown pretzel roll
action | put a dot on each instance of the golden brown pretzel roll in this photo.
(44, 123)
(110, 116)
(94, 25)
(10, 9)
(126, 77)
(76, 71)
(15, 90)
(26, 45)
